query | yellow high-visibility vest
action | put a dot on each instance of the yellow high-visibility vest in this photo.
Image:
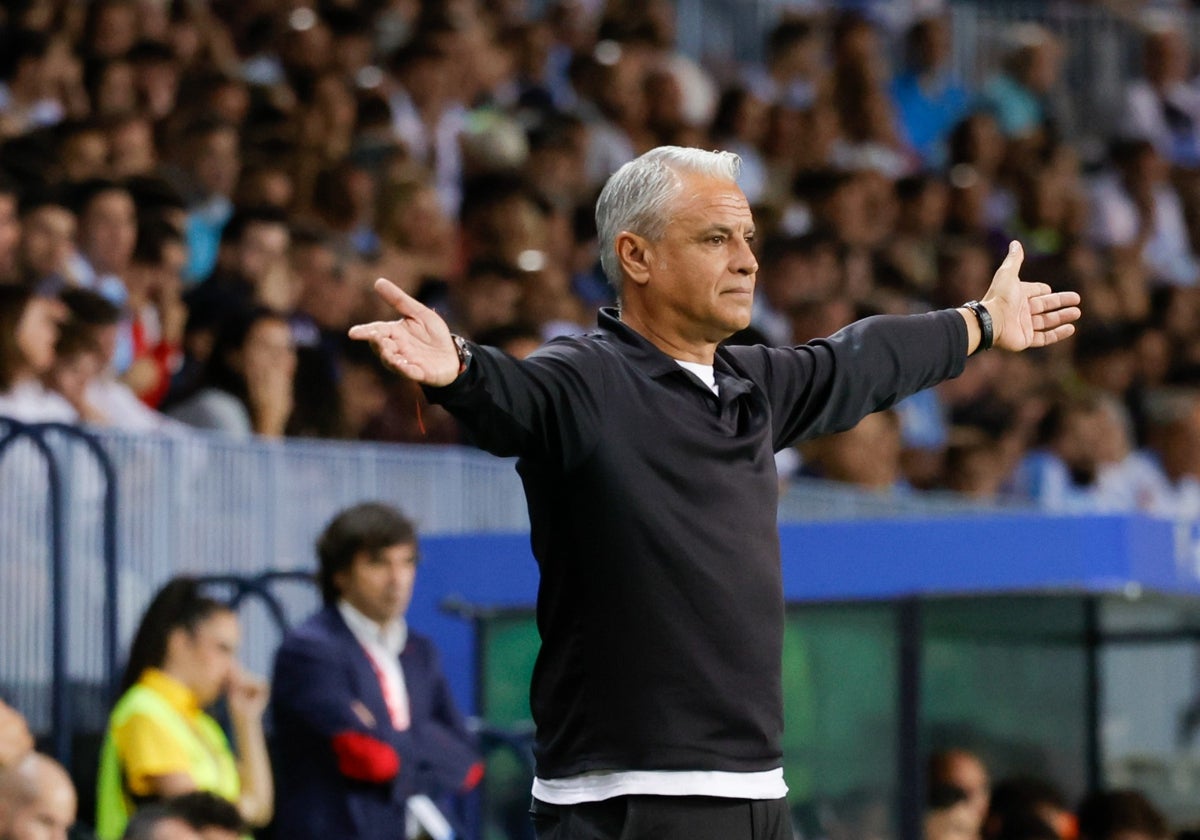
(210, 759)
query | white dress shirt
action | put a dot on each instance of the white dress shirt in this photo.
(383, 645)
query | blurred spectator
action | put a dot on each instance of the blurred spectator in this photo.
(83, 371)
(157, 75)
(517, 339)
(111, 85)
(362, 392)
(266, 183)
(1125, 814)
(964, 269)
(974, 464)
(1174, 437)
(160, 743)
(840, 203)
(980, 197)
(1137, 207)
(912, 251)
(740, 126)
(1163, 106)
(417, 238)
(159, 822)
(155, 311)
(427, 116)
(409, 418)
(1084, 464)
(214, 817)
(157, 201)
(253, 269)
(107, 236)
(210, 166)
(1022, 96)
(29, 328)
(110, 29)
(1050, 208)
(381, 745)
(79, 357)
(327, 120)
(489, 296)
(82, 151)
(338, 393)
(964, 771)
(247, 385)
(795, 272)
(27, 95)
(1026, 806)
(332, 290)
(47, 244)
(1105, 357)
(504, 221)
(10, 231)
(132, 149)
(929, 100)
(15, 740)
(870, 139)
(948, 815)
(608, 82)
(37, 799)
(867, 456)
(344, 202)
(794, 71)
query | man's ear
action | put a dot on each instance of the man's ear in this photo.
(633, 256)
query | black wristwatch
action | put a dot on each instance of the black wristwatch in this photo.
(985, 325)
(464, 352)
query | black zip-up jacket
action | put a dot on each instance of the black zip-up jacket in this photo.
(652, 504)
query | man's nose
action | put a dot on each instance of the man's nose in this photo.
(745, 261)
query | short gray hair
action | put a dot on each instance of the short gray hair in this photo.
(638, 194)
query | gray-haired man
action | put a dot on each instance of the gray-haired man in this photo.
(646, 450)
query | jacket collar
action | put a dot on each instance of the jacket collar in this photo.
(644, 355)
(391, 637)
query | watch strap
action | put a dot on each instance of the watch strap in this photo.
(986, 332)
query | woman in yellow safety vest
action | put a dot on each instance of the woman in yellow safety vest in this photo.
(160, 743)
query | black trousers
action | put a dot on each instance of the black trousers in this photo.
(664, 818)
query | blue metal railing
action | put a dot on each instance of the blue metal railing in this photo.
(56, 509)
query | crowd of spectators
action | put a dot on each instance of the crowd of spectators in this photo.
(962, 803)
(39, 800)
(195, 198)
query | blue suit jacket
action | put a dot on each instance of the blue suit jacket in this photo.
(322, 682)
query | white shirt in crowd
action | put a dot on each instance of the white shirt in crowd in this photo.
(33, 402)
(1116, 222)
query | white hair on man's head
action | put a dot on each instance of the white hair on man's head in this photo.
(638, 194)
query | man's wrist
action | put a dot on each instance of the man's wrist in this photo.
(983, 318)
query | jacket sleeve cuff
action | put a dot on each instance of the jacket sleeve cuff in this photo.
(364, 758)
(473, 778)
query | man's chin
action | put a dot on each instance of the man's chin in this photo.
(737, 321)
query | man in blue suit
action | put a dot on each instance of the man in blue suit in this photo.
(363, 715)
